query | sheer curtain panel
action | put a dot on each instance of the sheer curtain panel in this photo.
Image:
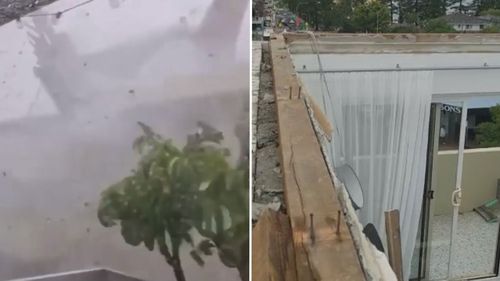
(382, 121)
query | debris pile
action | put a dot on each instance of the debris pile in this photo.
(268, 182)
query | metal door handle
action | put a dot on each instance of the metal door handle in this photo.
(456, 197)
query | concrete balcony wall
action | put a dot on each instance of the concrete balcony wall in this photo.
(446, 82)
(481, 172)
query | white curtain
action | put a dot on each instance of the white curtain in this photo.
(382, 121)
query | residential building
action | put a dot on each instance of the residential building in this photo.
(467, 23)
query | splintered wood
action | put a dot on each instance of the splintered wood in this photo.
(323, 122)
(323, 246)
(273, 257)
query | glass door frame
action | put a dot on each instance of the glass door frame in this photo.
(429, 188)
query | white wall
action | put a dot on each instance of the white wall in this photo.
(446, 82)
(467, 27)
(71, 93)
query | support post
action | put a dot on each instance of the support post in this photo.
(393, 232)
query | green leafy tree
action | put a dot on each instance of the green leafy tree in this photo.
(489, 132)
(222, 217)
(438, 26)
(491, 12)
(411, 18)
(459, 6)
(323, 14)
(327, 15)
(481, 6)
(491, 29)
(418, 11)
(391, 5)
(175, 192)
(407, 11)
(373, 16)
(310, 11)
(430, 9)
(403, 28)
(343, 10)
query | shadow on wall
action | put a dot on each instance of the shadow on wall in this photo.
(73, 78)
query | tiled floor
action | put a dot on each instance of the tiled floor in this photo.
(474, 249)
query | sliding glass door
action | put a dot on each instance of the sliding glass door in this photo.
(475, 245)
(459, 222)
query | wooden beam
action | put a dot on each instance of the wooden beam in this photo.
(393, 232)
(273, 258)
(308, 186)
(320, 117)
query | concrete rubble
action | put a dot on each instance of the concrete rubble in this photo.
(268, 182)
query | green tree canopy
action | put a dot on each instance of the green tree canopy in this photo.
(175, 192)
(489, 132)
(481, 6)
(373, 16)
(360, 15)
(491, 29)
(460, 6)
(491, 12)
(438, 25)
(430, 9)
(404, 28)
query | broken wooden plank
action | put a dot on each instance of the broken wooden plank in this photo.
(308, 186)
(319, 116)
(393, 231)
(272, 248)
